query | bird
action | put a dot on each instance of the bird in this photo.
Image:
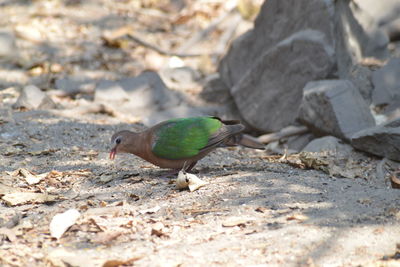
(180, 143)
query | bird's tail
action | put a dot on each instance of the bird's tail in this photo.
(244, 140)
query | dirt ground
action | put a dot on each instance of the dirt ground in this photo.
(255, 211)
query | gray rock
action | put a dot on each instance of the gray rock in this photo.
(140, 95)
(382, 140)
(386, 83)
(357, 36)
(361, 77)
(330, 144)
(32, 97)
(261, 66)
(298, 142)
(266, 97)
(393, 29)
(8, 48)
(216, 91)
(334, 107)
(271, 27)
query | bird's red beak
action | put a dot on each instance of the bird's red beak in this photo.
(113, 152)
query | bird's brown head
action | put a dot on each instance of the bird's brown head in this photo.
(120, 141)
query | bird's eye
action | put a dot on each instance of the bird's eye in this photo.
(118, 140)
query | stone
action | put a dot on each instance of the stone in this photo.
(330, 144)
(361, 77)
(261, 65)
(140, 95)
(334, 107)
(32, 97)
(266, 97)
(386, 81)
(382, 140)
(357, 36)
(277, 20)
(298, 142)
(216, 91)
(393, 30)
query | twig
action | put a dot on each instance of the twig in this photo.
(285, 132)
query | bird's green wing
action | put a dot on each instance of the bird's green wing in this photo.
(185, 138)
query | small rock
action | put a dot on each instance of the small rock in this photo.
(265, 97)
(328, 143)
(140, 95)
(32, 97)
(386, 83)
(382, 140)
(334, 107)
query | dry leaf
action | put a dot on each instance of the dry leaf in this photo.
(20, 198)
(151, 210)
(297, 217)
(394, 179)
(118, 263)
(186, 180)
(30, 178)
(62, 221)
(9, 233)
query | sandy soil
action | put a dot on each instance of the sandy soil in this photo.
(252, 212)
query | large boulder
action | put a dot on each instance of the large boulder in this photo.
(334, 107)
(386, 81)
(267, 67)
(276, 21)
(269, 94)
(382, 140)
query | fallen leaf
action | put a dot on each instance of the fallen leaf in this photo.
(395, 180)
(62, 221)
(186, 180)
(9, 233)
(118, 263)
(5, 189)
(30, 178)
(19, 198)
(297, 217)
(150, 211)
(158, 230)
